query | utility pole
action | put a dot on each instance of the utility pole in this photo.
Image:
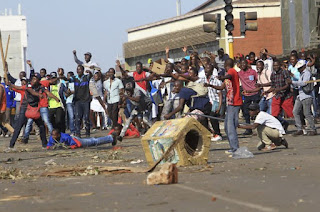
(229, 26)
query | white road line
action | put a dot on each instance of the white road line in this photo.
(233, 201)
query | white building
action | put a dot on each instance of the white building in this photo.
(16, 27)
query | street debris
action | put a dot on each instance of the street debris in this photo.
(15, 198)
(50, 162)
(136, 162)
(242, 153)
(11, 173)
(91, 170)
(82, 194)
(168, 174)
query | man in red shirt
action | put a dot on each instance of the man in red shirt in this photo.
(248, 78)
(234, 101)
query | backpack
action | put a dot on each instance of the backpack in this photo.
(308, 88)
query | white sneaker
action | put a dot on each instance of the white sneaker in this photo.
(304, 132)
(9, 149)
(216, 138)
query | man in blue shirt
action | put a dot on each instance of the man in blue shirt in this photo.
(58, 138)
(189, 97)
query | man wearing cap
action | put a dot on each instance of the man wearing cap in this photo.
(270, 130)
(31, 97)
(304, 99)
(88, 65)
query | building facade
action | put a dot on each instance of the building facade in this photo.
(16, 27)
(149, 41)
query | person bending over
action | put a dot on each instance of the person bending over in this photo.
(270, 130)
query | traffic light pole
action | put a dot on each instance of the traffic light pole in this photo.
(230, 41)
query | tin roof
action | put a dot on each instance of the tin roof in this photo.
(173, 40)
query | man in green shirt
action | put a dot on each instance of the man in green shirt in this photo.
(56, 109)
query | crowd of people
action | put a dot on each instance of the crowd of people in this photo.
(260, 88)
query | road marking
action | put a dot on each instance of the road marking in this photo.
(227, 199)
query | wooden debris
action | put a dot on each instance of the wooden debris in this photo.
(83, 171)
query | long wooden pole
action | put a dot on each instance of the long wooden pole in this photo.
(2, 57)
(7, 47)
(2, 54)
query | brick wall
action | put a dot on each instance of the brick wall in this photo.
(269, 36)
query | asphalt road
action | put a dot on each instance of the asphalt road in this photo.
(281, 180)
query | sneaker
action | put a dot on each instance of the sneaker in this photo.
(247, 132)
(216, 138)
(284, 143)
(269, 147)
(94, 130)
(305, 132)
(7, 136)
(10, 149)
(297, 133)
(311, 133)
(229, 152)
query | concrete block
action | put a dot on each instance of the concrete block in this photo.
(168, 174)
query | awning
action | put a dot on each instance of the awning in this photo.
(174, 40)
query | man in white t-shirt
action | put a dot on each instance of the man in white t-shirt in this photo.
(270, 130)
(88, 64)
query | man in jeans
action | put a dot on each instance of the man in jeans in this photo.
(248, 78)
(57, 139)
(113, 87)
(304, 100)
(69, 103)
(82, 99)
(215, 97)
(234, 102)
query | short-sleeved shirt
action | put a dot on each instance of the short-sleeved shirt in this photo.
(44, 101)
(268, 64)
(268, 120)
(213, 93)
(140, 85)
(198, 102)
(295, 72)
(235, 87)
(264, 78)
(113, 90)
(54, 89)
(145, 101)
(278, 80)
(248, 80)
(220, 62)
(10, 95)
(71, 87)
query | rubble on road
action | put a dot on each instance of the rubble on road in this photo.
(168, 174)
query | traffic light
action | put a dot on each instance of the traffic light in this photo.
(248, 26)
(229, 17)
(215, 26)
